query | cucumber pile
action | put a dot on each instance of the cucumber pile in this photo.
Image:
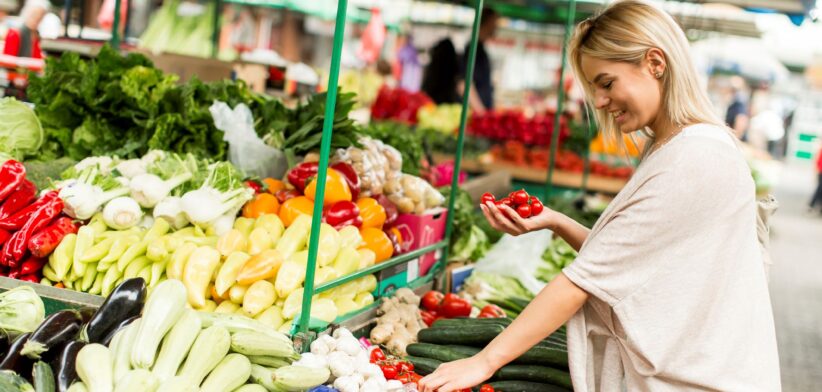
(542, 368)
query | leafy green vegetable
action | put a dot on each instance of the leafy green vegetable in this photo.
(20, 130)
(21, 310)
(557, 256)
(43, 174)
(468, 240)
(487, 286)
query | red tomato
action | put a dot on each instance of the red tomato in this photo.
(428, 317)
(536, 207)
(454, 306)
(520, 197)
(377, 355)
(524, 210)
(486, 197)
(491, 311)
(405, 367)
(507, 201)
(431, 300)
(534, 199)
(389, 371)
(486, 388)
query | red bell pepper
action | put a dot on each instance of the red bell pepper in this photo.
(12, 174)
(343, 213)
(19, 218)
(14, 273)
(350, 177)
(30, 278)
(453, 306)
(42, 243)
(23, 196)
(300, 174)
(391, 212)
(492, 311)
(16, 247)
(32, 265)
(256, 186)
(4, 236)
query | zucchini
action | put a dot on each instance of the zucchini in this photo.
(122, 324)
(10, 381)
(57, 329)
(231, 373)
(176, 345)
(424, 366)
(162, 310)
(235, 323)
(263, 376)
(300, 378)
(94, 366)
(43, 377)
(525, 386)
(476, 336)
(542, 374)
(270, 362)
(121, 347)
(178, 384)
(209, 349)
(78, 387)
(251, 388)
(138, 380)
(259, 344)
(126, 301)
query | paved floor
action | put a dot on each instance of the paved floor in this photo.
(796, 281)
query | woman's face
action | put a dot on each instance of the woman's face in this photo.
(630, 94)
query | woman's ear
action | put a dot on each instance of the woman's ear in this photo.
(655, 60)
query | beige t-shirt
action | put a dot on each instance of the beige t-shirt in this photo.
(679, 299)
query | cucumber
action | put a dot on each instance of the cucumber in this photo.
(424, 366)
(506, 304)
(534, 373)
(476, 336)
(535, 356)
(433, 351)
(472, 322)
(519, 302)
(524, 386)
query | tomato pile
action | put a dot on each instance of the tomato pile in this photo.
(524, 204)
(436, 305)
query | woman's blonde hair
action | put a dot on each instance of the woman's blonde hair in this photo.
(625, 31)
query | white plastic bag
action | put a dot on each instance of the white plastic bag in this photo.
(518, 257)
(245, 149)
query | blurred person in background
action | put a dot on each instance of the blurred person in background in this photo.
(737, 115)
(481, 97)
(439, 80)
(817, 195)
(24, 40)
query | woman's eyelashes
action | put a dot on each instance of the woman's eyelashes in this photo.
(608, 85)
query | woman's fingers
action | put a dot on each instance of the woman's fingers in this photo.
(519, 222)
(504, 220)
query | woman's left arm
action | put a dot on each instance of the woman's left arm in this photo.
(551, 308)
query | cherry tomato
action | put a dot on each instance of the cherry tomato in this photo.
(405, 367)
(534, 199)
(536, 207)
(520, 197)
(389, 371)
(524, 210)
(486, 197)
(377, 355)
(431, 300)
(486, 388)
(507, 201)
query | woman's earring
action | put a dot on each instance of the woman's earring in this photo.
(658, 75)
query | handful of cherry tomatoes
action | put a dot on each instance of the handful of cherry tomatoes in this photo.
(524, 204)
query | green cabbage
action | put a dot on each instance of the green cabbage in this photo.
(20, 131)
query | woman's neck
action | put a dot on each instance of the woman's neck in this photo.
(663, 128)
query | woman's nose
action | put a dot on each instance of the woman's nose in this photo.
(601, 101)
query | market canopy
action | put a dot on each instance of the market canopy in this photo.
(796, 10)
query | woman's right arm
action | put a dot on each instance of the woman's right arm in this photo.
(505, 219)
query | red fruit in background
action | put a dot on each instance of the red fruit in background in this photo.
(524, 210)
(486, 388)
(431, 300)
(520, 197)
(389, 371)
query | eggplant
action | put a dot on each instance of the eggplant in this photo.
(125, 302)
(125, 323)
(56, 330)
(86, 313)
(63, 366)
(14, 360)
(4, 343)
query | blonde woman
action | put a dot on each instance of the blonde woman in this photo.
(669, 289)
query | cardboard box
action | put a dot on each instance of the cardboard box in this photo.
(419, 231)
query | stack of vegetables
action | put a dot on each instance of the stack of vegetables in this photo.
(516, 126)
(30, 227)
(542, 368)
(399, 104)
(134, 344)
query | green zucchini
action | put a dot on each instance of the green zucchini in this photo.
(176, 345)
(534, 373)
(524, 386)
(269, 362)
(263, 376)
(160, 313)
(10, 381)
(210, 347)
(231, 373)
(424, 366)
(476, 336)
(251, 388)
(43, 377)
(138, 380)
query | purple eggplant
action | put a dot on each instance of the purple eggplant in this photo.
(64, 365)
(14, 359)
(125, 302)
(56, 330)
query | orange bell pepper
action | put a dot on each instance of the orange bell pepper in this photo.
(294, 207)
(264, 265)
(378, 242)
(372, 213)
(273, 185)
(336, 188)
(263, 203)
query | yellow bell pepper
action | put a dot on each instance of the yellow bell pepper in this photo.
(329, 245)
(226, 307)
(367, 258)
(363, 299)
(177, 265)
(290, 277)
(367, 283)
(286, 327)
(347, 261)
(273, 317)
(324, 309)
(236, 293)
(325, 274)
(336, 188)
(372, 213)
(198, 272)
(295, 207)
(233, 241)
(350, 236)
(260, 296)
(293, 304)
(244, 225)
(295, 237)
(258, 241)
(345, 305)
(262, 266)
(229, 271)
(272, 224)
(209, 306)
